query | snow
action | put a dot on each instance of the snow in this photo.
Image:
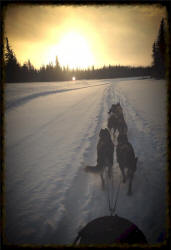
(51, 134)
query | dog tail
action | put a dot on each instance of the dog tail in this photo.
(93, 169)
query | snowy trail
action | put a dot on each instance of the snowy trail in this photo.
(151, 169)
(51, 134)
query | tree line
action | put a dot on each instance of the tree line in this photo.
(15, 72)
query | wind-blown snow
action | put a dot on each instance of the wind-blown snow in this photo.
(51, 134)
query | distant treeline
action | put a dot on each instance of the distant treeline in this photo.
(15, 72)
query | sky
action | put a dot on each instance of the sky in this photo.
(83, 36)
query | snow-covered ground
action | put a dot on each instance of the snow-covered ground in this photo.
(51, 134)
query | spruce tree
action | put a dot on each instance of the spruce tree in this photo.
(159, 53)
(11, 64)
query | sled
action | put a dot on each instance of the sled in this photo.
(110, 230)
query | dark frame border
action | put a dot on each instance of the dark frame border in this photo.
(166, 3)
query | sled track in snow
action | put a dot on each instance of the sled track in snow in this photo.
(81, 179)
(40, 130)
(28, 98)
(141, 137)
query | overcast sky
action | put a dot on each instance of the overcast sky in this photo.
(82, 36)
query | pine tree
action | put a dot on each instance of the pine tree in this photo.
(11, 64)
(158, 52)
(161, 43)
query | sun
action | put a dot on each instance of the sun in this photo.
(73, 50)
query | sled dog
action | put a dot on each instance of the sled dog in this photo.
(126, 159)
(105, 150)
(115, 108)
(116, 119)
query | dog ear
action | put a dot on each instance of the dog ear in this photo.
(107, 132)
(136, 159)
(101, 132)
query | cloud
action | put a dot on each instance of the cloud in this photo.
(115, 33)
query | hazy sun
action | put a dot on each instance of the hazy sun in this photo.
(73, 50)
